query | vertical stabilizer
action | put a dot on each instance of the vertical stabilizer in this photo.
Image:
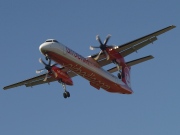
(126, 75)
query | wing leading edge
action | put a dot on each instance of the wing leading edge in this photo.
(144, 38)
(25, 82)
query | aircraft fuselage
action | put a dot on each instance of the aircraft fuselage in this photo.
(85, 67)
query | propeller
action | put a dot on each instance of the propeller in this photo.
(102, 46)
(48, 67)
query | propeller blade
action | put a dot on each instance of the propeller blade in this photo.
(103, 47)
(107, 55)
(45, 79)
(98, 38)
(42, 62)
(55, 74)
(107, 39)
(112, 46)
(97, 57)
(49, 62)
(54, 64)
(93, 47)
(39, 71)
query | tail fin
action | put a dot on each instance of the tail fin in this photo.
(126, 75)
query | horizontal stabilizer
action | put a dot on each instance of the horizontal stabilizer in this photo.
(132, 63)
(140, 60)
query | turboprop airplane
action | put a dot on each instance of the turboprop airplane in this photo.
(90, 68)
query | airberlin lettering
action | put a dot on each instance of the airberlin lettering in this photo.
(78, 56)
(91, 77)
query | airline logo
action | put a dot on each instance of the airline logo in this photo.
(78, 56)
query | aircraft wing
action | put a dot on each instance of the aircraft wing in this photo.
(144, 38)
(35, 81)
(132, 46)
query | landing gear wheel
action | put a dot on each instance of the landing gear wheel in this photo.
(119, 75)
(66, 94)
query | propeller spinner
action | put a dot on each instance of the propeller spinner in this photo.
(102, 46)
(48, 67)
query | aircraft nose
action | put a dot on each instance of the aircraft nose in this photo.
(44, 47)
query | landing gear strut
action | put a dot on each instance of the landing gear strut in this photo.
(119, 75)
(66, 93)
(47, 58)
(119, 68)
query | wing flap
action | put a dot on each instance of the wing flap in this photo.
(137, 47)
(104, 62)
(71, 74)
(132, 63)
(40, 82)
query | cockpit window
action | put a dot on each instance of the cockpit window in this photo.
(55, 41)
(52, 40)
(48, 40)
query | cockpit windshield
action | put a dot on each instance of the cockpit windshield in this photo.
(52, 40)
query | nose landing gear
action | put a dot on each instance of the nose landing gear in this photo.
(66, 94)
(119, 75)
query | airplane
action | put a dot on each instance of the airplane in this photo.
(91, 67)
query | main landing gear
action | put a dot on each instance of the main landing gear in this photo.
(66, 94)
(119, 75)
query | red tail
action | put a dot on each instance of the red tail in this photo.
(126, 75)
(120, 62)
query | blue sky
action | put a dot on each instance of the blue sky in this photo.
(152, 109)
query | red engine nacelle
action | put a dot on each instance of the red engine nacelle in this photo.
(59, 74)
